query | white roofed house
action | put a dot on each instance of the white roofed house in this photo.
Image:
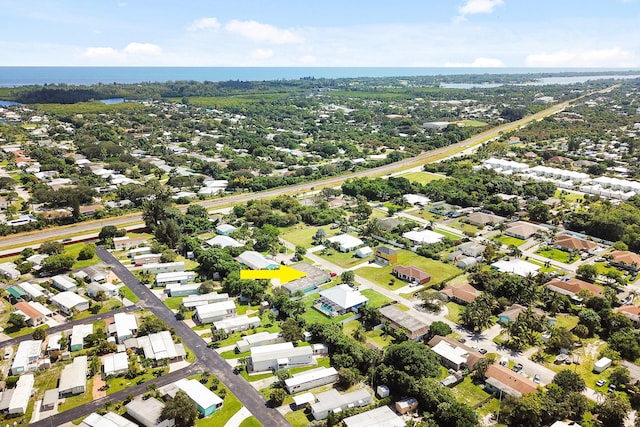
(340, 299)
(78, 334)
(206, 400)
(32, 290)
(192, 301)
(180, 277)
(64, 283)
(310, 379)
(124, 326)
(108, 289)
(213, 312)
(423, 237)
(164, 267)
(9, 271)
(73, 379)
(257, 340)
(20, 395)
(224, 241)
(110, 419)
(115, 364)
(160, 346)
(332, 401)
(346, 242)
(274, 357)
(26, 356)
(148, 412)
(67, 302)
(238, 323)
(256, 261)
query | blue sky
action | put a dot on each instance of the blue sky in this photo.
(328, 33)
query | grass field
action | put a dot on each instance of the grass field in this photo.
(128, 294)
(250, 422)
(173, 302)
(463, 226)
(508, 240)
(376, 299)
(439, 271)
(298, 418)
(423, 177)
(302, 235)
(556, 255)
(81, 399)
(343, 259)
(469, 393)
(472, 123)
(448, 234)
(454, 311)
(425, 214)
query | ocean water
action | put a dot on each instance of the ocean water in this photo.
(21, 76)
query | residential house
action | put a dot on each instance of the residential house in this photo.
(522, 230)
(148, 413)
(237, 324)
(64, 283)
(19, 396)
(512, 313)
(26, 356)
(378, 417)
(206, 400)
(225, 229)
(110, 419)
(310, 379)
(164, 267)
(571, 287)
(144, 259)
(32, 315)
(364, 252)
(224, 242)
(257, 340)
(516, 266)
(256, 261)
(73, 379)
(472, 249)
(210, 313)
(502, 380)
(78, 334)
(632, 312)
(339, 299)
(32, 291)
(96, 274)
(177, 278)
(406, 404)
(480, 219)
(568, 243)
(625, 260)
(415, 327)
(454, 354)
(115, 364)
(385, 255)
(411, 274)
(346, 242)
(192, 301)
(124, 326)
(332, 401)
(9, 271)
(284, 355)
(423, 237)
(109, 290)
(160, 346)
(67, 302)
(461, 293)
(145, 250)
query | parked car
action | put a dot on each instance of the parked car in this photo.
(333, 274)
(612, 387)
(601, 382)
(462, 340)
(483, 351)
(536, 379)
(517, 368)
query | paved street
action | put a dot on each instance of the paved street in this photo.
(207, 359)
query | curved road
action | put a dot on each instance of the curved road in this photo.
(19, 241)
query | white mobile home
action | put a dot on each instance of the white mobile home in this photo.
(73, 379)
(68, 301)
(64, 283)
(238, 323)
(26, 356)
(163, 267)
(332, 401)
(180, 278)
(191, 301)
(21, 395)
(309, 379)
(148, 258)
(257, 340)
(280, 356)
(213, 312)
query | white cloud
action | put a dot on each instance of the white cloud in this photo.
(471, 7)
(263, 33)
(614, 57)
(103, 53)
(308, 59)
(146, 49)
(204, 24)
(262, 53)
(487, 63)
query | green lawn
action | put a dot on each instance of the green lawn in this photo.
(464, 227)
(250, 422)
(472, 123)
(454, 311)
(173, 302)
(566, 321)
(298, 418)
(543, 269)
(469, 393)
(423, 177)
(230, 406)
(120, 383)
(508, 240)
(438, 270)
(81, 399)
(378, 337)
(301, 235)
(585, 368)
(448, 234)
(425, 214)
(343, 259)
(74, 249)
(128, 294)
(556, 255)
(376, 299)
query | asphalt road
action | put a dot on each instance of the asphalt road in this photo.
(207, 359)
(20, 241)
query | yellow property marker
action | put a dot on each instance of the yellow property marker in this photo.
(285, 274)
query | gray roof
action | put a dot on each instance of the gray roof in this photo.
(74, 375)
(403, 318)
(331, 399)
(315, 277)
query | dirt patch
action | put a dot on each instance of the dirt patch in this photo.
(99, 390)
(592, 350)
